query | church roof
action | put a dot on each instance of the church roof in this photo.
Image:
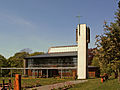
(52, 55)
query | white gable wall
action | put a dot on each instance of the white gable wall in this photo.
(63, 49)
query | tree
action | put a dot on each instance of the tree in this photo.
(17, 59)
(36, 53)
(90, 55)
(3, 63)
(27, 50)
(108, 46)
(95, 61)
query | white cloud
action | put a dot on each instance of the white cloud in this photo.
(20, 21)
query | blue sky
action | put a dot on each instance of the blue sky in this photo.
(40, 24)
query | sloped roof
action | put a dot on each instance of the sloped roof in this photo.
(52, 55)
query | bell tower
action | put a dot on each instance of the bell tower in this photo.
(82, 38)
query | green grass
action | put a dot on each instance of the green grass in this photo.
(32, 82)
(92, 84)
(95, 84)
(41, 81)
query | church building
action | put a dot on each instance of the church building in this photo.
(64, 61)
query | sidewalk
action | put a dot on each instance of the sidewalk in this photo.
(57, 85)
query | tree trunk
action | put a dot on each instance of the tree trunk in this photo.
(116, 74)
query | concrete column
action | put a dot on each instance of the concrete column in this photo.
(41, 72)
(24, 67)
(82, 52)
(47, 73)
(61, 73)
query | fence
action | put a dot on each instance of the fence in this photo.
(6, 86)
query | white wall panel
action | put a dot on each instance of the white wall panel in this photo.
(63, 49)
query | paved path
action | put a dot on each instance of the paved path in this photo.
(49, 87)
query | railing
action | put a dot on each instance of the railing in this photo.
(6, 86)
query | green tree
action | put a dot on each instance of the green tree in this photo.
(3, 63)
(108, 46)
(95, 61)
(36, 53)
(17, 59)
(28, 50)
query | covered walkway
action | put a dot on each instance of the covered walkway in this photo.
(39, 68)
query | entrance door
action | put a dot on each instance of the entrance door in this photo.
(52, 72)
(44, 73)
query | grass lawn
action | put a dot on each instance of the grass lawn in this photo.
(92, 84)
(95, 84)
(31, 82)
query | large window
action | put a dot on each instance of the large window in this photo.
(53, 62)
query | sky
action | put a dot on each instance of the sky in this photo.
(40, 24)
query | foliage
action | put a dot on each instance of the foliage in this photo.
(27, 50)
(17, 59)
(108, 46)
(3, 63)
(36, 53)
(90, 55)
(95, 61)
